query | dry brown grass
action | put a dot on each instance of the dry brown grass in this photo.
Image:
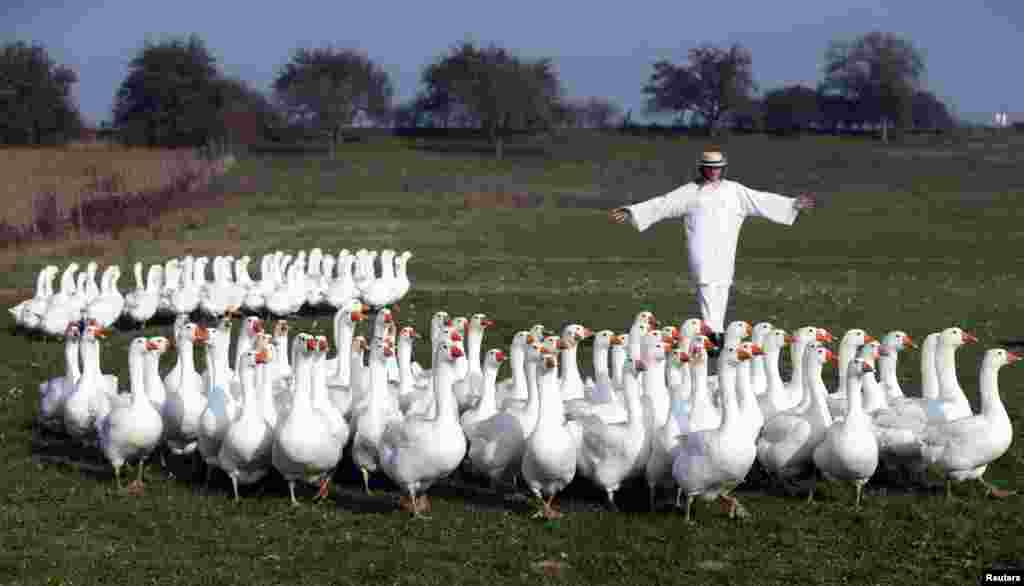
(69, 172)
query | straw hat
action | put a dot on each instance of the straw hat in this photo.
(712, 158)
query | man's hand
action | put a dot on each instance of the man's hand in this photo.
(618, 215)
(805, 201)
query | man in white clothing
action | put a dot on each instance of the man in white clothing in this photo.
(713, 209)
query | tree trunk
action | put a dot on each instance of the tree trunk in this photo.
(885, 130)
(496, 140)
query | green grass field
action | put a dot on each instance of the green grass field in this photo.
(911, 237)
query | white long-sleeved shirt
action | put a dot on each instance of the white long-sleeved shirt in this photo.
(713, 216)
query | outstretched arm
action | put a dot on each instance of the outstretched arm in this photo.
(777, 208)
(642, 215)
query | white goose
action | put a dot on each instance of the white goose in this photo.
(402, 282)
(607, 454)
(487, 406)
(711, 463)
(894, 342)
(107, 307)
(468, 389)
(132, 430)
(186, 395)
(55, 391)
(963, 448)
(496, 445)
(849, 451)
(143, 304)
(338, 428)
(222, 408)
(89, 402)
(951, 403)
(549, 458)
(380, 410)
(759, 367)
(514, 387)
(245, 450)
(786, 445)
(59, 309)
(774, 399)
(664, 439)
(571, 382)
(345, 320)
(381, 291)
(342, 289)
(417, 452)
(303, 447)
(29, 313)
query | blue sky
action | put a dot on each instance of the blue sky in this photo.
(599, 51)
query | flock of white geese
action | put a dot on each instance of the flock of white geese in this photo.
(287, 283)
(650, 410)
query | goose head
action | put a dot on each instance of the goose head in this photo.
(999, 357)
(253, 325)
(955, 337)
(761, 330)
(646, 316)
(698, 326)
(494, 358)
(322, 345)
(776, 340)
(898, 340)
(158, 344)
(680, 357)
(520, 339)
(671, 333)
(855, 338)
(479, 322)
(738, 330)
(575, 333)
(459, 323)
(603, 339)
(870, 352)
(751, 349)
(408, 333)
(698, 351)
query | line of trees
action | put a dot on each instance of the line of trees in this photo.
(175, 94)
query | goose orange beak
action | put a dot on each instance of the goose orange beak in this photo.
(909, 341)
(151, 345)
(488, 323)
(968, 338)
(311, 344)
(455, 337)
(499, 356)
(705, 329)
(324, 346)
(743, 355)
(868, 339)
(1012, 357)
(262, 357)
(530, 339)
(830, 356)
(758, 350)
(787, 340)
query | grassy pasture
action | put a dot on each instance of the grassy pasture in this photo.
(914, 236)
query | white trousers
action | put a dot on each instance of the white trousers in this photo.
(712, 299)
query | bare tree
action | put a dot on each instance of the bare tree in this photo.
(715, 83)
(601, 113)
(880, 71)
(329, 87)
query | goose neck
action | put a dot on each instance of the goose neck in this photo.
(551, 412)
(988, 387)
